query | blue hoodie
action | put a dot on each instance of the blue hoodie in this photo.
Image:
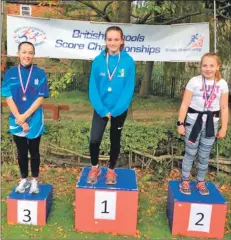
(113, 96)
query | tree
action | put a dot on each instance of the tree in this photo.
(161, 12)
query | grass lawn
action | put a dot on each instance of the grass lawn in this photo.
(152, 219)
(150, 109)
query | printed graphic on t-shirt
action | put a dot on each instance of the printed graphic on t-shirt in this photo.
(212, 92)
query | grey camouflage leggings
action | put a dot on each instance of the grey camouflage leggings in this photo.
(202, 146)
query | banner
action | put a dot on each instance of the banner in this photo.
(55, 38)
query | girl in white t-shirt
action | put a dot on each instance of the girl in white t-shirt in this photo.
(205, 101)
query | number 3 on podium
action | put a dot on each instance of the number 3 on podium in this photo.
(200, 217)
(27, 212)
(105, 205)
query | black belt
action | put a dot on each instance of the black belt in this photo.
(198, 123)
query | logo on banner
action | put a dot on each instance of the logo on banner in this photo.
(30, 34)
(196, 41)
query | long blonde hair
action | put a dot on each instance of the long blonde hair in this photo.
(218, 59)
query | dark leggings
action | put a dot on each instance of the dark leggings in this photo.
(23, 145)
(97, 130)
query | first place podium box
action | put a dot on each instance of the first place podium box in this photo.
(196, 215)
(26, 208)
(107, 208)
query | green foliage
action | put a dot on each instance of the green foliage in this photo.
(224, 145)
(6, 143)
(152, 139)
(57, 84)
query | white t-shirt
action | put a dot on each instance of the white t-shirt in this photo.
(196, 85)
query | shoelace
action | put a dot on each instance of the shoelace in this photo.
(201, 185)
(93, 171)
(21, 183)
(185, 184)
(111, 174)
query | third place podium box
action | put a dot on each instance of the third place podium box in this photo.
(26, 208)
(107, 208)
(196, 215)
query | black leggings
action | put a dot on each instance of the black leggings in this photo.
(97, 130)
(23, 145)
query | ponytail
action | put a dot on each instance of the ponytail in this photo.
(218, 75)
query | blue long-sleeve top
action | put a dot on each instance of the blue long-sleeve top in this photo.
(113, 96)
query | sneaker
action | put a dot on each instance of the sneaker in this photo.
(34, 188)
(185, 187)
(93, 175)
(22, 186)
(202, 188)
(111, 177)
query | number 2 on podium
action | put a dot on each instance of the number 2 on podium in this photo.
(200, 217)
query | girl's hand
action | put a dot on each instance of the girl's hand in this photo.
(20, 119)
(181, 130)
(221, 133)
(108, 115)
(25, 127)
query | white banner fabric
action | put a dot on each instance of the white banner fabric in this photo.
(55, 38)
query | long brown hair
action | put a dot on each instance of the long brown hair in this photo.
(218, 59)
(114, 28)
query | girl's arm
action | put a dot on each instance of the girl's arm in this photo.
(12, 106)
(125, 97)
(183, 110)
(224, 115)
(36, 104)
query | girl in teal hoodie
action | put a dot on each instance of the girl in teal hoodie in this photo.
(111, 88)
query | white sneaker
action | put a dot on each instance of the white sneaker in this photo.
(34, 188)
(22, 186)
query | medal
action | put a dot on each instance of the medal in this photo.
(109, 89)
(207, 95)
(110, 76)
(27, 81)
(24, 98)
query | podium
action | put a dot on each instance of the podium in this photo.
(107, 208)
(196, 215)
(26, 208)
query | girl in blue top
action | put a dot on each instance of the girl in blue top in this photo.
(25, 87)
(111, 88)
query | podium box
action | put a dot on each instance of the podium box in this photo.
(196, 215)
(107, 208)
(26, 208)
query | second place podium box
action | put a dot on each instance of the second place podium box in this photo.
(107, 208)
(196, 215)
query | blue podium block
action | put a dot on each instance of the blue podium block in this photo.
(107, 208)
(196, 215)
(25, 208)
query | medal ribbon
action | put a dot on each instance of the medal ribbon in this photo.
(28, 79)
(211, 93)
(110, 76)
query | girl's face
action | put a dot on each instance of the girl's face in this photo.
(26, 54)
(209, 67)
(114, 41)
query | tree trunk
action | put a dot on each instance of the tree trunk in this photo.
(124, 11)
(146, 82)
